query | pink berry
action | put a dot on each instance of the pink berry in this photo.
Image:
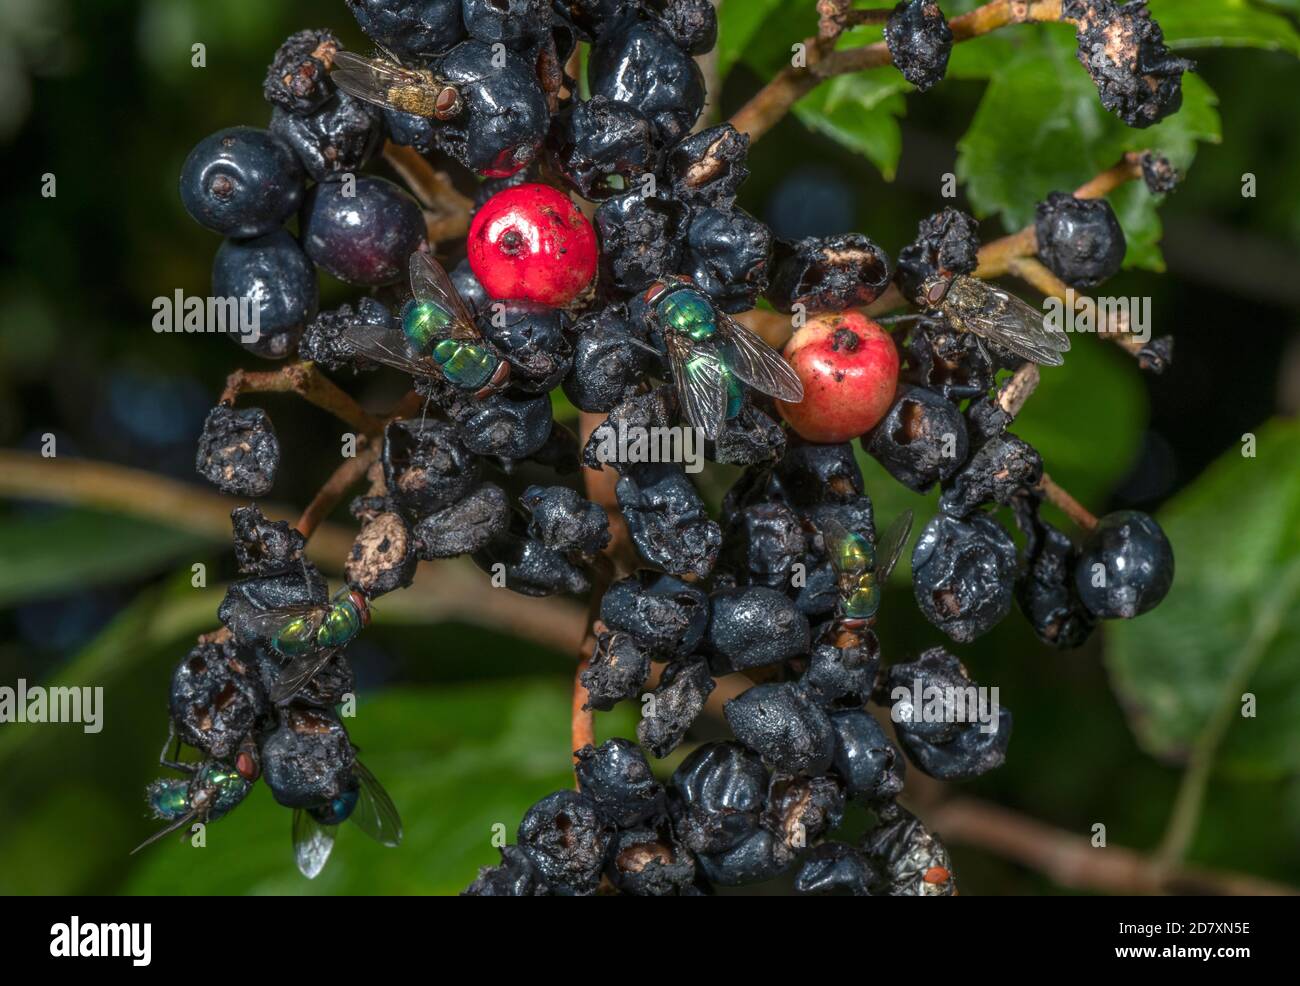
(849, 368)
(531, 243)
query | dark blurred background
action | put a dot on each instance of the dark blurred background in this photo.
(466, 725)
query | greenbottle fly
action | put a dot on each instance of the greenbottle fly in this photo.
(972, 305)
(211, 790)
(308, 636)
(437, 337)
(711, 356)
(862, 569)
(365, 803)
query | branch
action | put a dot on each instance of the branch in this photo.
(1070, 860)
(791, 84)
(447, 211)
(336, 487)
(1067, 504)
(308, 383)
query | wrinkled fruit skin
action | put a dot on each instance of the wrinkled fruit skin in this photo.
(1129, 553)
(964, 574)
(531, 243)
(849, 368)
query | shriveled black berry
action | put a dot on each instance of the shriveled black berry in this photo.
(216, 698)
(264, 547)
(607, 365)
(836, 869)
(365, 239)
(921, 440)
(692, 24)
(246, 599)
(617, 778)
(945, 725)
(667, 616)
(986, 419)
(307, 760)
(678, 700)
(1079, 240)
(383, 556)
(618, 669)
(567, 840)
(335, 140)
(1138, 78)
(641, 239)
(750, 438)
(531, 337)
(276, 276)
(729, 255)
(298, 79)
(707, 168)
(410, 28)
(1000, 469)
(1046, 592)
(411, 130)
(800, 810)
(614, 442)
(1156, 355)
(764, 542)
(1158, 173)
(637, 62)
(508, 424)
(911, 860)
(865, 760)
(920, 42)
(667, 520)
(1125, 566)
(426, 467)
(241, 182)
(780, 723)
(514, 876)
(813, 473)
(650, 862)
(325, 340)
(601, 147)
(963, 574)
(466, 526)
(754, 626)
(565, 521)
(828, 274)
(518, 24)
(760, 856)
(956, 365)
(505, 116)
(842, 667)
(238, 451)
(719, 791)
(527, 566)
(947, 241)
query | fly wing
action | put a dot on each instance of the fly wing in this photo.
(387, 347)
(1002, 318)
(270, 622)
(312, 843)
(701, 386)
(370, 79)
(835, 535)
(891, 545)
(375, 813)
(298, 673)
(429, 282)
(758, 364)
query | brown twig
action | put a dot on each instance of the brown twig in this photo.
(1018, 388)
(791, 84)
(336, 487)
(1067, 504)
(447, 211)
(308, 383)
(1071, 860)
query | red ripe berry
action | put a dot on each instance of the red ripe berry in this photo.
(531, 243)
(849, 368)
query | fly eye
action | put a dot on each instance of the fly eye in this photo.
(448, 100)
(936, 292)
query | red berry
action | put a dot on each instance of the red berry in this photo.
(531, 243)
(849, 368)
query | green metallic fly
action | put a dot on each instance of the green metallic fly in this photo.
(862, 569)
(711, 355)
(364, 802)
(437, 338)
(308, 636)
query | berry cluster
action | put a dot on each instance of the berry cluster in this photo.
(630, 314)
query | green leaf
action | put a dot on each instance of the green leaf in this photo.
(738, 22)
(457, 761)
(72, 548)
(1224, 24)
(1231, 623)
(1040, 128)
(860, 111)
